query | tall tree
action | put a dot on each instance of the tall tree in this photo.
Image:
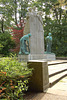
(12, 12)
(55, 21)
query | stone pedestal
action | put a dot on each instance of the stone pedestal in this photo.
(50, 56)
(39, 81)
(37, 57)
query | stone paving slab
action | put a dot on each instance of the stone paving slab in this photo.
(57, 72)
(61, 85)
(52, 97)
(56, 62)
(55, 68)
(57, 92)
(45, 96)
(56, 78)
(59, 88)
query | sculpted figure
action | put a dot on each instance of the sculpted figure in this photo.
(48, 43)
(24, 44)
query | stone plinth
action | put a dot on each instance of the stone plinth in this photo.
(23, 57)
(30, 57)
(39, 81)
(36, 57)
(50, 56)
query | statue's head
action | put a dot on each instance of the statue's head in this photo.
(29, 35)
(40, 13)
(50, 34)
(34, 8)
(29, 9)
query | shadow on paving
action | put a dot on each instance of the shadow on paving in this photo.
(57, 92)
(44, 96)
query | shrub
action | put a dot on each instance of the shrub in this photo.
(6, 43)
(13, 78)
(17, 33)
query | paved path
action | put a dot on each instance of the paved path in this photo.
(45, 96)
(59, 88)
(57, 92)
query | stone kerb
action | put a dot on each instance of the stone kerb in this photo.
(39, 81)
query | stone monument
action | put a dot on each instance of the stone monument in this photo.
(34, 26)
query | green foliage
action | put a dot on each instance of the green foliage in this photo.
(6, 42)
(59, 35)
(60, 40)
(9, 12)
(13, 67)
(57, 25)
(6, 17)
(13, 78)
(55, 19)
(1, 46)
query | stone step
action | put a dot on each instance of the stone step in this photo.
(57, 72)
(54, 79)
(56, 69)
(56, 62)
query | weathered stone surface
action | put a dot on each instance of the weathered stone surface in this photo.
(45, 57)
(23, 57)
(50, 56)
(34, 25)
(27, 27)
(37, 35)
(39, 81)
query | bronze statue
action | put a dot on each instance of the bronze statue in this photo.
(24, 44)
(48, 43)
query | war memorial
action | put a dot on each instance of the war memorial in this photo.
(32, 45)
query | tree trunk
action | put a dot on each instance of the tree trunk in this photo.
(15, 12)
(2, 26)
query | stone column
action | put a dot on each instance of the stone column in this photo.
(39, 81)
